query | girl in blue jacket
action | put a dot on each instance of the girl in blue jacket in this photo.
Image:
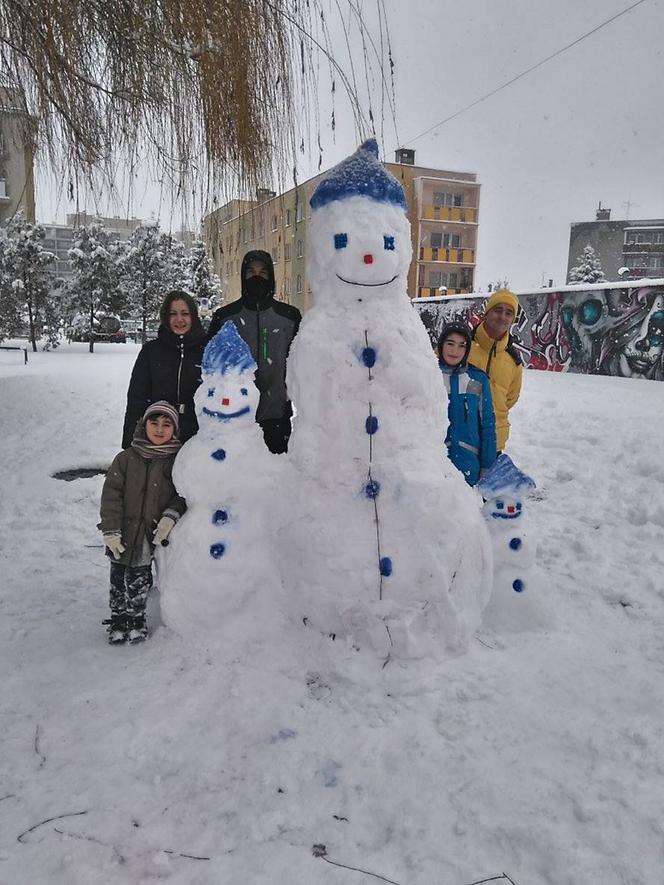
(471, 435)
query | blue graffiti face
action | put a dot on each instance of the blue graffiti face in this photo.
(229, 397)
(644, 350)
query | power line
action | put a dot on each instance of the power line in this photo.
(527, 71)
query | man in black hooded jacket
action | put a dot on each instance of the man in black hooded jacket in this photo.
(268, 327)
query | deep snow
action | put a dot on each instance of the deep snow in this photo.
(538, 754)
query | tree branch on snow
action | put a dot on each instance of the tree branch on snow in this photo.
(48, 820)
(42, 758)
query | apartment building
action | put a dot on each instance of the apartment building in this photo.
(59, 238)
(634, 244)
(443, 210)
(17, 131)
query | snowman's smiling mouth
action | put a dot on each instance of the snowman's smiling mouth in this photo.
(225, 415)
(352, 283)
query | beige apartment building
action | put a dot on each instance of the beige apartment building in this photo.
(17, 139)
(443, 210)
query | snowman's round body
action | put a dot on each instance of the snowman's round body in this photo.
(218, 559)
(389, 541)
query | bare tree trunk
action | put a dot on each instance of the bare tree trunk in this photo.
(32, 327)
(92, 328)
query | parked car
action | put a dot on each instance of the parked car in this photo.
(106, 327)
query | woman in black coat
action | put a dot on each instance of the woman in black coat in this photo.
(168, 368)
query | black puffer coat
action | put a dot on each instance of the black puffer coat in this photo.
(167, 368)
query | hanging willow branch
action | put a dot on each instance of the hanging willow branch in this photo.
(222, 84)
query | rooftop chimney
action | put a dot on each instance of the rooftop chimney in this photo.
(405, 156)
(264, 193)
(602, 214)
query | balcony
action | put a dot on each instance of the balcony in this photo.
(463, 214)
(629, 248)
(451, 256)
(431, 291)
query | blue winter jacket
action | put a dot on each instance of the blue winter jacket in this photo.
(471, 435)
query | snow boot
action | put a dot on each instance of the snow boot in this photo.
(137, 630)
(116, 627)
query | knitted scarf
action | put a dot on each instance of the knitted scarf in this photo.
(149, 450)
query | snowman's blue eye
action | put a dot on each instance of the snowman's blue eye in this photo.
(210, 391)
(499, 505)
(243, 391)
(388, 243)
(340, 241)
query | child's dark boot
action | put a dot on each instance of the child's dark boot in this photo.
(116, 627)
(137, 629)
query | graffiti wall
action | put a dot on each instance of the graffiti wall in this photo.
(599, 330)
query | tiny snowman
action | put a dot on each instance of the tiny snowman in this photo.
(391, 549)
(218, 557)
(515, 603)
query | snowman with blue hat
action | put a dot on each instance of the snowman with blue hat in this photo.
(516, 602)
(219, 559)
(391, 549)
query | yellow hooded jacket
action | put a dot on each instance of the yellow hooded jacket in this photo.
(502, 364)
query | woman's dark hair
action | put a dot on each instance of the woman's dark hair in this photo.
(178, 295)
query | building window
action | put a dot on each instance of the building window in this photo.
(298, 284)
(298, 211)
(658, 237)
(656, 262)
(287, 285)
(436, 240)
(453, 284)
(438, 199)
(274, 222)
(261, 225)
(288, 217)
(275, 255)
(456, 241)
(300, 248)
(437, 278)
(287, 251)
(458, 199)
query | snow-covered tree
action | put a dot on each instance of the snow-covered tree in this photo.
(94, 285)
(203, 283)
(10, 313)
(29, 279)
(150, 266)
(588, 270)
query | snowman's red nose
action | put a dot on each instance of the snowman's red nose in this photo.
(368, 259)
(225, 401)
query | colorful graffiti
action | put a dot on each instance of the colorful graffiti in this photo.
(596, 330)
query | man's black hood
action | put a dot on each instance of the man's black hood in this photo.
(266, 259)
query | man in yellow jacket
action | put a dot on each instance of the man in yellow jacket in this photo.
(493, 351)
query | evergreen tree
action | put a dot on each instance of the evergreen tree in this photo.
(203, 283)
(94, 285)
(588, 270)
(28, 279)
(10, 312)
(146, 271)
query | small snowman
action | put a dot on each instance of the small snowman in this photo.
(218, 558)
(390, 546)
(515, 602)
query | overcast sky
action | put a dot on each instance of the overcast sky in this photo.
(586, 126)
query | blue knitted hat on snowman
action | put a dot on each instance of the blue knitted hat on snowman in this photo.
(360, 175)
(226, 351)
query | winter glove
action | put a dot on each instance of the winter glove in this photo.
(163, 530)
(113, 541)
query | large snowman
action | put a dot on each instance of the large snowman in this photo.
(384, 542)
(218, 561)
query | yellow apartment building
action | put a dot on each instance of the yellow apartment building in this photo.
(443, 210)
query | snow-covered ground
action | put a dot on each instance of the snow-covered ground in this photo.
(540, 755)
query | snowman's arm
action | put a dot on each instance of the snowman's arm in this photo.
(487, 426)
